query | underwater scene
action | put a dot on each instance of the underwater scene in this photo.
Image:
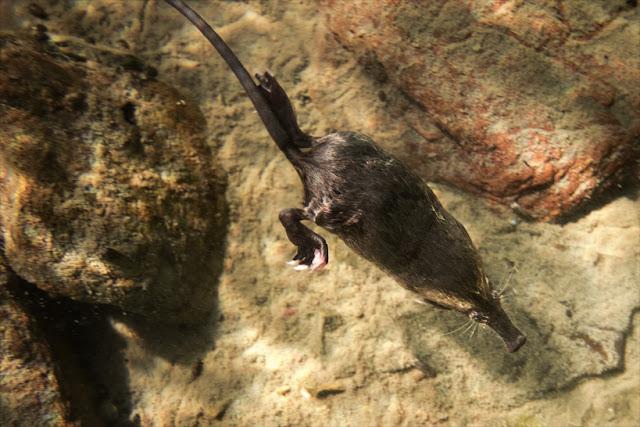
(320, 213)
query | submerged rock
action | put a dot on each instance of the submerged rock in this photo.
(107, 190)
(29, 390)
(540, 105)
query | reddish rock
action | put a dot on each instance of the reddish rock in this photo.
(540, 99)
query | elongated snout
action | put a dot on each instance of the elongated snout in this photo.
(512, 337)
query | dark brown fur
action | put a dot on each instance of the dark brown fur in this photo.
(389, 216)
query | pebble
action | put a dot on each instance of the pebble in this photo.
(283, 390)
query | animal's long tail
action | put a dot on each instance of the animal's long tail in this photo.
(271, 102)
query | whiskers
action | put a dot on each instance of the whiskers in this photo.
(468, 324)
(469, 328)
(506, 283)
(523, 319)
(474, 330)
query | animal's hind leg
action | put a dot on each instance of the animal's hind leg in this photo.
(280, 104)
(313, 251)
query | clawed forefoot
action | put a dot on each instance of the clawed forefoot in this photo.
(313, 259)
(313, 252)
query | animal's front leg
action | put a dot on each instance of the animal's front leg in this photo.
(313, 251)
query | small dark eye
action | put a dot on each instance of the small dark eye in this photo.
(478, 317)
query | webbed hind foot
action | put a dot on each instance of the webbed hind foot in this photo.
(313, 252)
(280, 104)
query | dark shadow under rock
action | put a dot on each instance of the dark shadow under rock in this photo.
(26, 359)
(83, 356)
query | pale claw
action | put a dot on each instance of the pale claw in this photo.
(318, 261)
(301, 267)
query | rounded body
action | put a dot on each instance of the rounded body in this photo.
(388, 215)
